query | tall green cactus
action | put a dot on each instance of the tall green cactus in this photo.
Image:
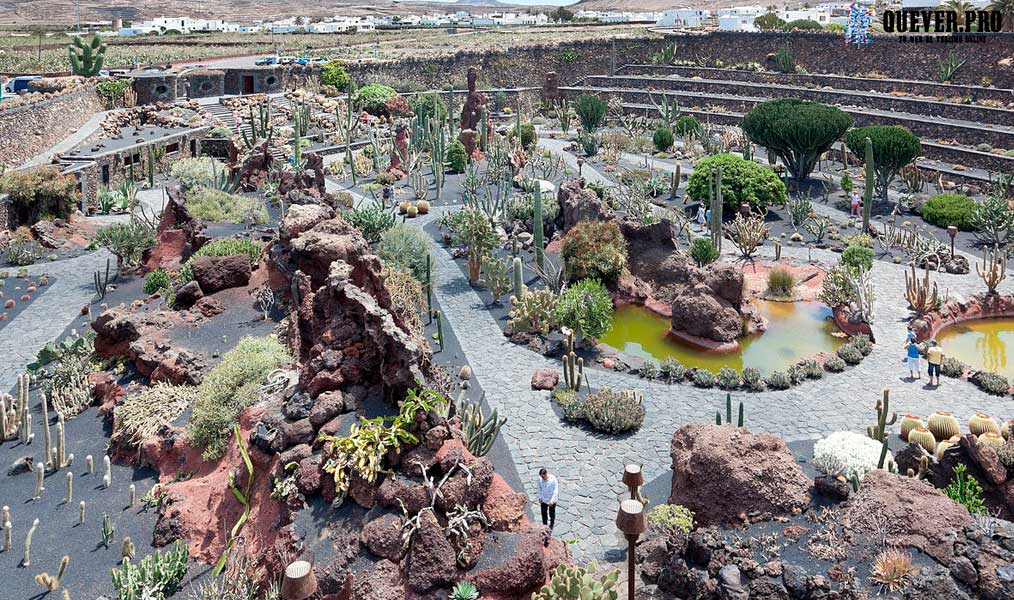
(483, 125)
(259, 126)
(437, 142)
(86, 59)
(870, 182)
(519, 280)
(716, 211)
(347, 123)
(577, 584)
(479, 432)
(451, 119)
(538, 226)
(573, 366)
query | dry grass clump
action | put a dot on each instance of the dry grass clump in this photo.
(892, 569)
(142, 415)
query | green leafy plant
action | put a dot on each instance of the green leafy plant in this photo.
(372, 221)
(594, 249)
(944, 210)
(703, 252)
(373, 98)
(894, 147)
(457, 157)
(229, 388)
(244, 498)
(663, 139)
(527, 137)
(577, 583)
(856, 257)
(406, 248)
(127, 241)
(196, 172)
(428, 106)
(464, 590)
(966, 491)
(743, 182)
(591, 111)
(586, 308)
(223, 247)
(333, 73)
(671, 370)
(157, 281)
(796, 131)
(156, 577)
(671, 520)
(687, 127)
(781, 282)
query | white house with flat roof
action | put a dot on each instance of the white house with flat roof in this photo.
(737, 23)
(683, 17)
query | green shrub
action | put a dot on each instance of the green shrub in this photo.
(223, 247)
(594, 249)
(704, 378)
(334, 74)
(893, 148)
(781, 282)
(229, 388)
(457, 157)
(952, 367)
(834, 364)
(846, 184)
(802, 24)
(527, 135)
(672, 370)
(769, 21)
(798, 132)
(373, 98)
(779, 380)
(585, 307)
(671, 520)
(944, 210)
(687, 127)
(372, 221)
(863, 343)
(591, 111)
(156, 281)
(834, 27)
(35, 194)
(127, 241)
(663, 139)
(991, 383)
(854, 257)
(428, 106)
(613, 412)
(727, 378)
(570, 403)
(743, 182)
(220, 133)
(210, 204)
(405, 247)
(703, 252)
(196, 172)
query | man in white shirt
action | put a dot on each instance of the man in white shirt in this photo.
(547, 491)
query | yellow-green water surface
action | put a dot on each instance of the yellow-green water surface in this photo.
(981, 343)
(795, 330)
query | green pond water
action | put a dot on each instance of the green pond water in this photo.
(981, 343)
(795, 330)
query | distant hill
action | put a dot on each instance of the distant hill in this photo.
(660, 5)
(56, 12)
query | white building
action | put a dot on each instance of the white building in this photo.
(683, 17)
(742, 11)
(736, 23)
(136, 31)
(820, 15)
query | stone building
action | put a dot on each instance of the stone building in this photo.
(255, 80)
(154, 86)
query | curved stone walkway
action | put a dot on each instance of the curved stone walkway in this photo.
(589, 465)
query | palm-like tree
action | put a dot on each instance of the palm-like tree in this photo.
(1006, 7)
(958, 6)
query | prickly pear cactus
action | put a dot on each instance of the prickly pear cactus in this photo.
(576, 583)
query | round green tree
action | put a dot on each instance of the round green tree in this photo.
(893, 148)
(796, 131)
(743, 181)
(334, 74)
(768, 22)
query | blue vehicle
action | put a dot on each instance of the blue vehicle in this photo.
(267, 60)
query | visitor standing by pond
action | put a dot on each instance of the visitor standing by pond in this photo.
(913, 359)
(934, 358)
(548, 491)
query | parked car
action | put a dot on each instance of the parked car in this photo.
(267, 60)
(18, 85)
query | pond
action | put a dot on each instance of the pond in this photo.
(981, 343)
(795, 330)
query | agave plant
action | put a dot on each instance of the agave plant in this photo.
(464, 590)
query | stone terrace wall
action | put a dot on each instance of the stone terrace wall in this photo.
(517, 67)
(26, 131)
(815, 52)
(827, 53)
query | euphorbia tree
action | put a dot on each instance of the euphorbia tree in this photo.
(473, 230)
(796, 131)
(893, 148)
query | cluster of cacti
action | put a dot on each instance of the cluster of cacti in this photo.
(49, 582)
(675, 180)
(479, 432)
(578, 584)
(15, 418)
(573, 365)
(108, 531)
(86, 59)
(101, 282)
(943, 430)
(440, 328)
(414, 209)
(993, 269)
(259, 125)
(728, 413)
(347, 124)
(878, 432)
(127, 550)
(748, 233)
(862, 286)
(922, 295)
(436, 140)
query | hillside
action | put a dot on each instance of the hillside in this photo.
(659, 5)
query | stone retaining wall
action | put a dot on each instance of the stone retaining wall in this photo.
(28, 130)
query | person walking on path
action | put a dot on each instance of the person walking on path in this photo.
(702, 216)
(854, 203)
(934, 358)
(913, 360)
(548, 492)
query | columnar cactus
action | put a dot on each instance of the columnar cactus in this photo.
(107, 479)
(28, 544)
(922, 295)
(45, 430)
(537, 226)
(89, 465)
(519, 280)
(8, 534)
(86, 59)
(108, 531)
(573, 366)
(133, 495)
(879, 431)
(70, 487)
(993, 270)
(81, 512)
(478, 431)
(127, 550)
(870, 182)
(60, 459)
(716, 211)
(40, 474)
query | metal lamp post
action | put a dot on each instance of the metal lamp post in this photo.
(631, 521)
(633, 478)
(299, 583)
(953, 232)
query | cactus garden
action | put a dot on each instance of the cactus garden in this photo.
(322, 343)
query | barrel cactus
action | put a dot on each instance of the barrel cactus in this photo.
(923, 437)
(944, 445)
(1006, 428)
(575, 582)
(980, 423)
(991, 438)
(908, 423)
(943, 425)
